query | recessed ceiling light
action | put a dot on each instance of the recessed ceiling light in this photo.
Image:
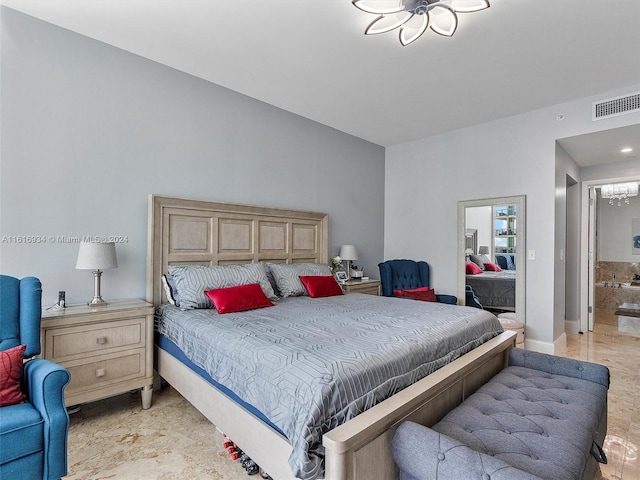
(626, 150)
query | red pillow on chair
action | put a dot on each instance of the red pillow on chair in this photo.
(401, 293)
(10, 370)
(426, 296)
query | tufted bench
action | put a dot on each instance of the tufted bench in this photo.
(542, 417)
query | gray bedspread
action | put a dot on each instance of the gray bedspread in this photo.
(312, 364)
(494, 289)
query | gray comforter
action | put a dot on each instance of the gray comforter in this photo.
(312, 364)
(494, 289)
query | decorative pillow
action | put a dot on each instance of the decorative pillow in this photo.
(401, 293)
(472, 269)
(239, 298)
(169, 285)
(485, 258)
(192, 281)
(477, 259)
(428, 296)
(287, 276)
(10, 370)
(321, 285)
(272, 280)
(492, 267)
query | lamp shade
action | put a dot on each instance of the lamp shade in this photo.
(96, 256)
(349, 252)
(483, 250)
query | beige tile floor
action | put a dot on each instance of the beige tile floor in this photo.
(621, 353)
(115, 439)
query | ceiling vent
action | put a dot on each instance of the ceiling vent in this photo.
(616, 106)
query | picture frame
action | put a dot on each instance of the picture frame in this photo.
(342, 277)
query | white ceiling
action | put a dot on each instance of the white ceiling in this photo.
(310, 57)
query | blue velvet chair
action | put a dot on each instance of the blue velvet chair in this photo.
(406, 274)
(33, 434)
(470, 298)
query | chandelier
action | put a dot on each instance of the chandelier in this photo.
(619, 191)
(414, 17)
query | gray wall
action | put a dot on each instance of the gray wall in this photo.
(89, 131)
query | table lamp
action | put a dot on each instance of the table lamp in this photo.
(349, 253)
(97, 257)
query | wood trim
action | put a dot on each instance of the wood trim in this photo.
(208, 222)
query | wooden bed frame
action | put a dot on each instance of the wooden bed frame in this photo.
(183, 231)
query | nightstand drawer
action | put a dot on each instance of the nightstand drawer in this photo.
(77, 342)
(104, 369)
(368, 287)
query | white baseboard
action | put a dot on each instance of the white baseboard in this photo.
(555, 348)
(572, 326)
(538, 346)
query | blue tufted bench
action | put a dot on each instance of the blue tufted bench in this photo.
(542, 417)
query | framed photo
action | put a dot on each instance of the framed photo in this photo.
(342, 277)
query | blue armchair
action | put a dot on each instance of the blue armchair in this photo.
(470, 298)
(405, 274)
(33, 434)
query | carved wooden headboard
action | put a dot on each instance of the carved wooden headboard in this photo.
(183, 231)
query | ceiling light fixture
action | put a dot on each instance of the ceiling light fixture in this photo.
(626, 150)
(619, 191)
(414, 17)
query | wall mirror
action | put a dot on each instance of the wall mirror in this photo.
(492, 230)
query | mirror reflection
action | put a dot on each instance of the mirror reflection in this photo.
(491, 255)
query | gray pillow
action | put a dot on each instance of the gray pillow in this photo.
(192, 280)
(287, 276)
(477, 259)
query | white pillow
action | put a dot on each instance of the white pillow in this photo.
(170, 290)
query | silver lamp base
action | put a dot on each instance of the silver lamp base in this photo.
(97, 298)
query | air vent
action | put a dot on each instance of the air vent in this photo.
(616, 106)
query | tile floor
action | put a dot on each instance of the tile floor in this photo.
(115, 439)
(621, 353)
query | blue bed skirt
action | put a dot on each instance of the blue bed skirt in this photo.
(168, 346)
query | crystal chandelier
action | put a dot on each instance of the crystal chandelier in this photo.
(414, 17)
(619, 191)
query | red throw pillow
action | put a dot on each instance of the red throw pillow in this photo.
(472, 269)
(321, 285)
(428, 296)
(10, 370)
(238, 299)
(401, 293)
(492, 267)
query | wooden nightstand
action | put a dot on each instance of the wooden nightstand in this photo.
(370, 287)
(108, 350)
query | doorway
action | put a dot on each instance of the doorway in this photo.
(614, 263)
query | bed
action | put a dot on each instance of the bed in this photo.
(495, 290)
(191, 232)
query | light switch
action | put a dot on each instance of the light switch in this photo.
(532, 254)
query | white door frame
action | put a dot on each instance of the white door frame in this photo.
(587, 277)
